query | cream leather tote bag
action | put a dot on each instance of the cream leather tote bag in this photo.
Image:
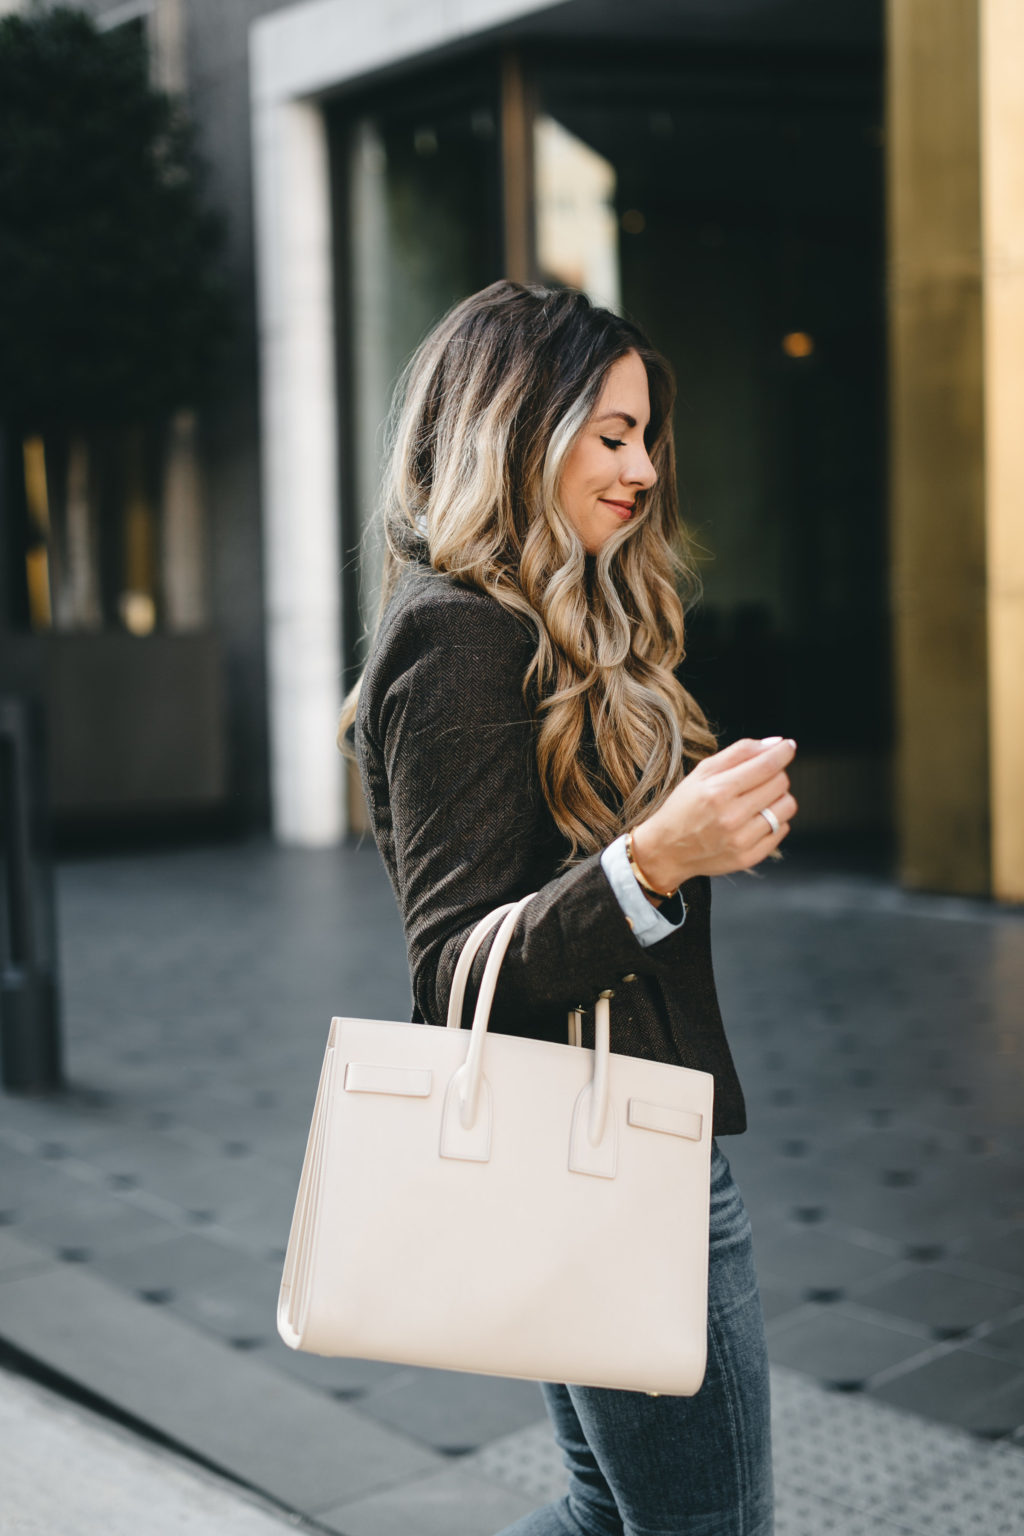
(499, 1204)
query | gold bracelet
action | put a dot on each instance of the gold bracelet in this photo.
(640, 877)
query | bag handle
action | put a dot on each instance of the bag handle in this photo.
(470, 1074)
(457, 996)
(460, 980)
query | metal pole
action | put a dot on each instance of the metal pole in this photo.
(30, 1045)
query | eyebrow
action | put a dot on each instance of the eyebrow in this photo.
(618, 416)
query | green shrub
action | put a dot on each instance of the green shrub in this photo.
(112, 302)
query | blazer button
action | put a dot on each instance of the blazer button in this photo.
(630, 977)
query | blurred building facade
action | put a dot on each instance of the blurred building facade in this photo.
(815, 211)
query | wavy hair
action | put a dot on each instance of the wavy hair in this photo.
(485, 416)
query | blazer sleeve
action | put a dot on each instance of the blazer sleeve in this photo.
(469, 825)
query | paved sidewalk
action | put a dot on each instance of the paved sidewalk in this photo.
(143, 1214)
(67, 1472)
(844, 1466)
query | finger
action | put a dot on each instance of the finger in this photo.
(730, 757)
(758, 828)
(764, 794)
(758, 769)
(763, 842)
(754, 831)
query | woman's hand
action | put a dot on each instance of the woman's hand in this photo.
(711, 822)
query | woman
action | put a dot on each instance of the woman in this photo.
(519, 727)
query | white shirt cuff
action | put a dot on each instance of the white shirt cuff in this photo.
(648, 924)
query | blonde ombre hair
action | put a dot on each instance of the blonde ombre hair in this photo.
(485, 416)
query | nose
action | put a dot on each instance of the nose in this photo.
(640, 472)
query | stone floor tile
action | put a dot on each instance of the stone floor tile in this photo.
(780, 1125)
(838, 1348)
(1001, 1252)
(948, 1303)
(172, 1260)
(1000, 1416)
(777, 1300)
(239, 1302)
(266, 1223)
(87, 1133)
(90, 1221)
(29, 1185)
(451, 1411)
(908, 1216)
(120, 1143)
(290, 1442)
(453, 1502)
(189, 1179)
(1008, 1336)
(18, 1257)
(807, 1259)
(344, 1379)
(961, 1387)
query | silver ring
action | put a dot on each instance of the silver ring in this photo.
(771, 818)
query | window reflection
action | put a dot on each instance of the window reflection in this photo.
(577, 234)
(37, 553)
(114, 528)
(421, 199)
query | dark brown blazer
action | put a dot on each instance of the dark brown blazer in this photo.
(445, 745)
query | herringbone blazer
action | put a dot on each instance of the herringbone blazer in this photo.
(445, 745)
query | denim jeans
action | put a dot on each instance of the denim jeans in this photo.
(677, 1466)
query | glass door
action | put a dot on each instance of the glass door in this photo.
(418, 201)
(734, 207)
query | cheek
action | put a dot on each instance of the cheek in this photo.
(574, 482)
(586, 470)
(585, 476)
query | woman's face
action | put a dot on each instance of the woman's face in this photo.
(607, 466)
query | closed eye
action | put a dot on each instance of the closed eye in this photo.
(613, 442)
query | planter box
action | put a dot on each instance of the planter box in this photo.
(134, 725)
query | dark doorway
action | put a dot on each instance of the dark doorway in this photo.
(748, 202)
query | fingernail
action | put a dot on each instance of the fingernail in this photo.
(770, 741)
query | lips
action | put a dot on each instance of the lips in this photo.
(623, 509)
